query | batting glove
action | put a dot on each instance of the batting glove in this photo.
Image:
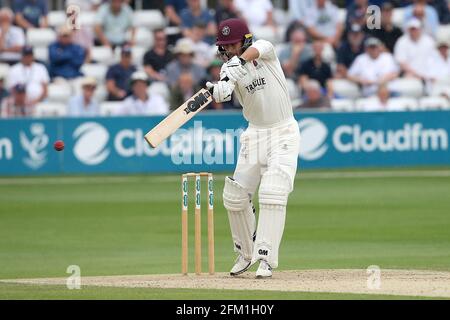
(234, 69)
(221, 91)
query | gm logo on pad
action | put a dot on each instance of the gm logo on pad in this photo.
(314, 134)
(90, 146)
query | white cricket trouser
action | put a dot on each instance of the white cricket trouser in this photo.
(269, 156)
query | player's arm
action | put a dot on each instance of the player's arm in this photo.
(261, 49)
(250, 54)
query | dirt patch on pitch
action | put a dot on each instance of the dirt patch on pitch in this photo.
(393, 282)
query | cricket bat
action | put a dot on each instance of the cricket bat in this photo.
(178, 117)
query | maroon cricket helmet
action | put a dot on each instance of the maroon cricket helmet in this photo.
(232, 31)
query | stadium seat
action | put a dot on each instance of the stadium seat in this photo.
(138, 55)
(87, 18)
(280, 16)
(109, 108)
(41, 54)
(403, 104)
(397, 17)
(346, 89)
(100, 93)
(441, 90)
(160, 88)
(102, 54)
(152, 19)
(40, 37)
(443, 32)
(342, 105)
(4, 69)
(407, 87)
(50, 109)
(98, 71)
(56, 18)
(434, 103)
(143, 38)
(172, 30)
(59, 92)
(363, 104)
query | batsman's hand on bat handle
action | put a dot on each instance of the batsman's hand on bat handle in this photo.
(223, 89)
(234, 69)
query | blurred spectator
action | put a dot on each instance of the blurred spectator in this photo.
(30, 13)
(65, 57)
(184, 52)
(140, 102)
(173, 10)
(296, 52)
(204, 53)
(373, 68)
(257, 13)
(3, 92)
(299, 10)
(350, 48)
(194, 14)
(388, 33)
(423, 12)
(157, 58)
(12, 38)
(225, 10)
(380, 102)
(118, 76)
(85, 5)
(32, 74)
(413, 49)
(113, 20)
(84, 105)
(357, 13)
(442, 7)
(439, 62)
(358, 16)
(322, 22)
(84, 36)
(16, 104)
(183, 90)
(314, 98)
(316, 69)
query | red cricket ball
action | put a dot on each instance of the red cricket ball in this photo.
(59, 145)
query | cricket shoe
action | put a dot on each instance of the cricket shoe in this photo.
(240, 266)
(264, 270)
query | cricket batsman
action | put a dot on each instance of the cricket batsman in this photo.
(269, 146)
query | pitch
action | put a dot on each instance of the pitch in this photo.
(130, 225)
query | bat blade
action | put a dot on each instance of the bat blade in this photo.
(178, 117)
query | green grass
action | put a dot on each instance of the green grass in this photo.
(131, 225)
(18, 291)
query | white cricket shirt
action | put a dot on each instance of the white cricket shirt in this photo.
(263, 92)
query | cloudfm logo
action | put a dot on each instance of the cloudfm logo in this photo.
(90, 146)
(314, 133)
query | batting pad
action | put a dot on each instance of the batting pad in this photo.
(241, 216)
(273, 194)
